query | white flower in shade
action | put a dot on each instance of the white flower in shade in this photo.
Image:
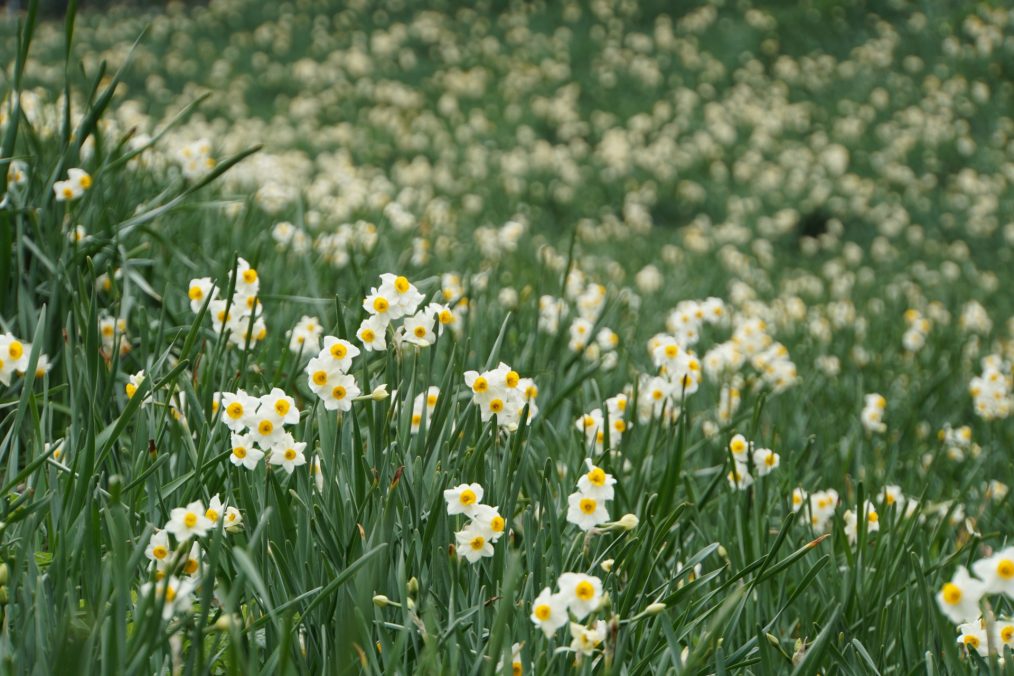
(372, 333)
(305, 336)
(176, 595)
(586, 639)
(244, 451)
(892, 495)
(585, 511)
(13, 357)
(463, 499)
(739, 447)
(488, 522)
(517, 667)
(200, 290)
(852, 522)
(248, 283)
(192, 564)
(287, 453)
(473, 543)
(959, 598)
(281, 405)
(973, 637)
(582, 593)
(216, 508)
(549, 612)
(236, 409)
(595, 483)
(739, 476)
(189, 521)
(158, 548)
(341, 351)
(765, 461)
(233, 518)
(997, 572)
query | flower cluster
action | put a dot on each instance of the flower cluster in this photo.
(195, 159)
(819, 506)
(258, 429)
(961, 599)
(241, 318)
(328, 374)
(502, 393)
(586, 507)
(397, 298)
(77, 183)
(14, 355)
(593, 424)
(918, 329)
(579, 595)
(305, 336)
(763, 460)
(185, 524)
(422, 407)
(872, 415)
(485, 525)
(992, 390)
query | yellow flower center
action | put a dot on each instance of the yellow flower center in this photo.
(1005, 569)
(584, 590)
(1007, 633)
(951, 593)
(497, 524)
(338, 392)
(496, 406)
(431, 400)
(170, 594)
(467, 497)
(543, 612)
(596, 476)
(85, 181)
(419, 331)
(159, 552)
(265, 427)
(131, 389)
(671, 351)
(68, 192)
(16, 349)
(338, 351)
(477, 543)
(282, 407)
(190, 567)
(190, 520)
(290, 454)
(380, 304)
(368, 335)
(401, 285)
(211, 514)
(512, 379)
(446, 317)
(873, 517)
(619, 426)
(249, 275)
(239, 452)
(320, 377)
(234, 410)
(480, 385)
(588, 505)
(195, 293)
(770, 459)
(970, 640)
(416, 419)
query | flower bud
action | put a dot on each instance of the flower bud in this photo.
(654, 609)
(607, 565)
(628, 521)
(381, 601)
(379, 392)
(412, 586)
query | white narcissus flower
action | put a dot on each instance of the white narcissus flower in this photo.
(549, 612)
(472, 543)
(585, 511)
(418, 329)
(959, 598)
(463, 499)
(320, 372)
(739, 447)
(287, 453)
(595, 483)
(340, 392)
(997, 572)
(244, 451)
(587, 639)
(237, 407)
(216, 508)
(281, 406)
(739, 476)
(487, 521)
(973, 637)
(372, 333)
(765, 461)
(189, 521)
(342, 352)
(158, 548)
(199, 291)
(582, 593)
(233, 518)
(176, 595)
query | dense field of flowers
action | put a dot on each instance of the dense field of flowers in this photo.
(603, 337)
